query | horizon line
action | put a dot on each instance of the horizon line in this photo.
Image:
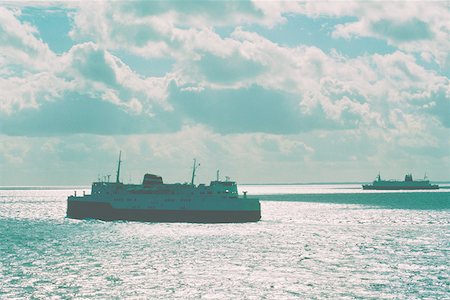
(5, 187)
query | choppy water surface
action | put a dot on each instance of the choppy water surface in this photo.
(330, 246)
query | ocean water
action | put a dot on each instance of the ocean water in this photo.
(314, 242)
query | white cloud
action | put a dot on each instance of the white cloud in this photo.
(358, 86)
(160, 28)
(415, 27)
(95, 70)
(29, 91)
(295, 70)
(252, 157)
(27, 65)
(167, 154)
(346, 90)
(20, 46)
(382, 104)
(85, 68)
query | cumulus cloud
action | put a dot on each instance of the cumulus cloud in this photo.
(412, 27)
(350, 91)
(29, 91)
(32, 75)
(236, 95)
(86, 69)
(19, 45)
(205, 60)
(98, 72)
(160, 28)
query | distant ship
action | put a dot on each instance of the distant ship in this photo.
(155, 201)
(407, 184)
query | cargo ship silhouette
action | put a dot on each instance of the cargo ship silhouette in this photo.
(407, 184)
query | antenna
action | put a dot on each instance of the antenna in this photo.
(217, 175)
(118, 167)
(193, 171)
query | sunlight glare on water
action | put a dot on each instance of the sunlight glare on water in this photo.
(298, 250)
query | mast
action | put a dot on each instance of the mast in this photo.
(118, 167)
(193, 170)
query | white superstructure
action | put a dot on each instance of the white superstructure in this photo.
(154, 200)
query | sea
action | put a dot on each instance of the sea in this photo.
(314, 241)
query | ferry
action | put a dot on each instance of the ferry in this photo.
(156, 201)
(407, 184)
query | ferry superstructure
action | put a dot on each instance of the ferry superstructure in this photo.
(407, 184)
(155, 201)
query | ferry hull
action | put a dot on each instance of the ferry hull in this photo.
(105, 212)
(371, 187)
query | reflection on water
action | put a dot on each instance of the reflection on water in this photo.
(326, 248)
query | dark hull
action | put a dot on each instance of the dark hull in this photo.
(105, 212)
(429, 187)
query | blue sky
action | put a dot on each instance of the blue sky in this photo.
(266, 91)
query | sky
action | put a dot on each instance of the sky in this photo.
(265, 91)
